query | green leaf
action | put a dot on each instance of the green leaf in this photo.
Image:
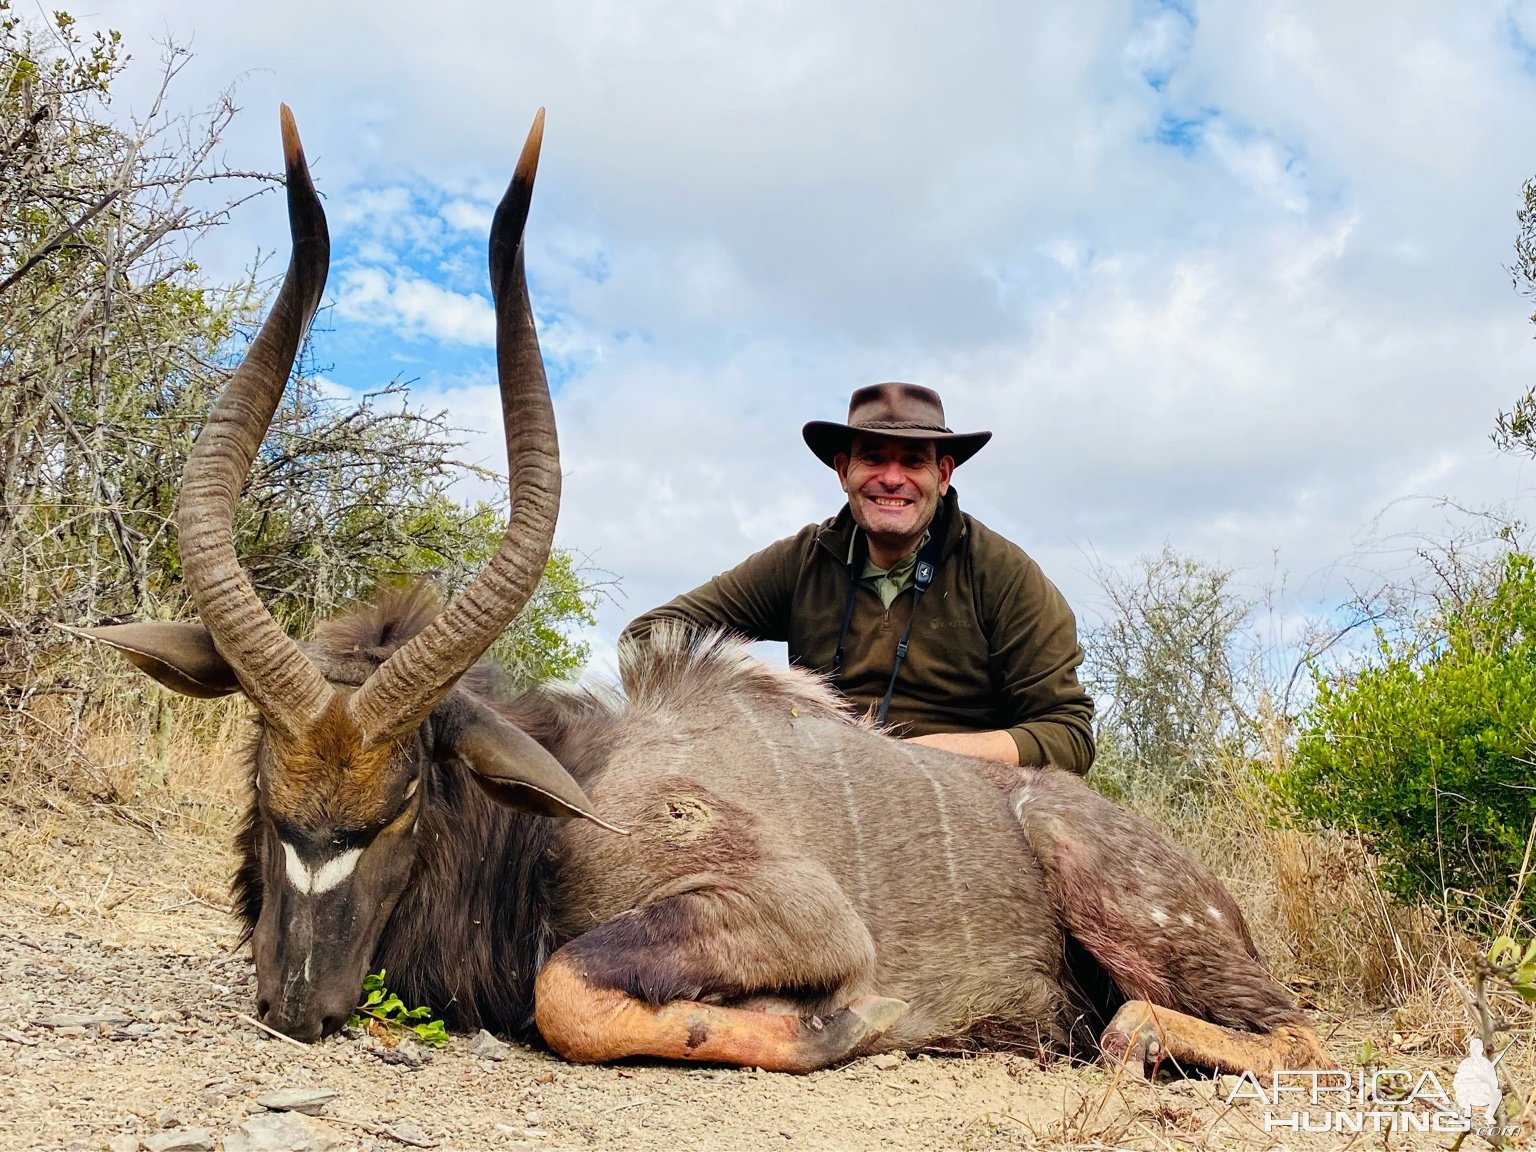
(1504, 948)
(433, 1033)
(386, 1009)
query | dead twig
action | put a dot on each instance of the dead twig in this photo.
(272, 1032)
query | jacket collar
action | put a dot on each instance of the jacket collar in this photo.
(836, 534)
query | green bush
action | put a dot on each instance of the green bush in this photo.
(1426, 751)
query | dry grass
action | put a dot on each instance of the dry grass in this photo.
(117, 816)
(1376, 973)
(1381, 978)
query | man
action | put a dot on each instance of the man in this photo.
(919, 613)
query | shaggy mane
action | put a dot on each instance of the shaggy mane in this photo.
(675, 665)
(394, 616)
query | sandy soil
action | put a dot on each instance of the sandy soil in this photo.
(121, 996)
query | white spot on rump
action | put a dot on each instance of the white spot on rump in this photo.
(1159, 917)
(1214, 911)
(1186, 919)
(318, 881)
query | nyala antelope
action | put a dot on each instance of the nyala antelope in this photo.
(713, 862)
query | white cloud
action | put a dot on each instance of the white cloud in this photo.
(469, 216)
(1254, 341)
(414, 308)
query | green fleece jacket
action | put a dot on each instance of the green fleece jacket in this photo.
(994, 645)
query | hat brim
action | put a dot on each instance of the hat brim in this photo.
(827, 440)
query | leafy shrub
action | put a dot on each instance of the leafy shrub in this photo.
(1427, 752)
(385, 1015)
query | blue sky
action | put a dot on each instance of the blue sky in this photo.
(1227, 276)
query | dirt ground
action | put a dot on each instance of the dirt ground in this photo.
(121, 1003)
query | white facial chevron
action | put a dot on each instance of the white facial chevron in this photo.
(317, 881)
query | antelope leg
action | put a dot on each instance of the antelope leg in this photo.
(1142, 1035)
(588, 1024)
(650, 982)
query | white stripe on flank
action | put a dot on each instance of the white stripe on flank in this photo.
(318, 881)
(947, 835)
(839, 767)
(771, 745)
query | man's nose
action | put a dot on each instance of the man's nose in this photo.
(892, 475)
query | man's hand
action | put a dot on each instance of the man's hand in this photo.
(995, 745)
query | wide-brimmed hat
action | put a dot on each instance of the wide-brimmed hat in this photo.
(904, 411)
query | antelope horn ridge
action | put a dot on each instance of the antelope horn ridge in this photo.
(278, 678)
(414, 679)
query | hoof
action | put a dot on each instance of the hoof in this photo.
(1133, 1042)
(849, 1032)
(878, 1013)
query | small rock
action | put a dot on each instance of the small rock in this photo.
(69, 1030)
(409, 1132)
(407, 1053)
(1226, 1086)
(310, 1101)
(134, 1032)
(885, 1060)
(179, 1140)
(533, 1116)
(167, 1016)
(84, 1020)
(487, 1047)
(123, 1144)
(283, 1132)
(167, 1120)
(17, 1038)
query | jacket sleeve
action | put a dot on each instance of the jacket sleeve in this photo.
(751, 599)
(1035, 655)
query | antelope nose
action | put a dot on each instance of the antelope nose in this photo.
(306, 1028)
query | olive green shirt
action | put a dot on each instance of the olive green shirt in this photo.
(993, 645)
(888, 583)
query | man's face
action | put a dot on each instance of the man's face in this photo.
(893, 486)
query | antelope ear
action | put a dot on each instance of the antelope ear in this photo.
(514, 769)
(179, 655)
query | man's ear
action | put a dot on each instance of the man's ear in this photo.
(946, 470)
(513, 767)
(179, 655)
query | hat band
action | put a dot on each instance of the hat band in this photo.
(900, 426)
